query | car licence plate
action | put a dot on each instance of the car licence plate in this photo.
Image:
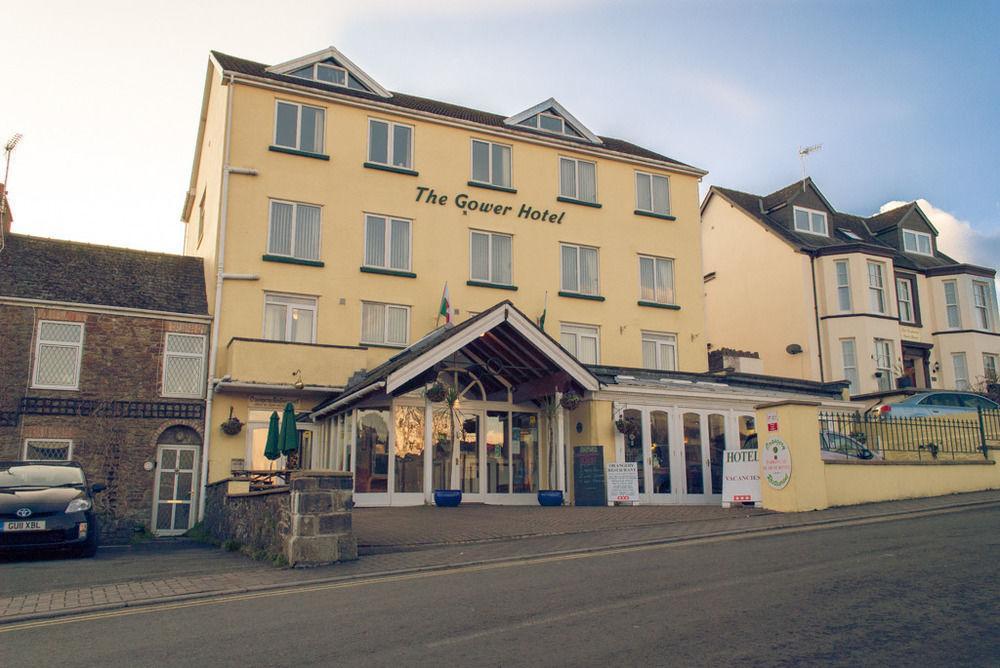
(24, 525)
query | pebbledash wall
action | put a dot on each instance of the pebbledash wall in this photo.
(110, 414)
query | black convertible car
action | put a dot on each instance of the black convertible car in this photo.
(47, 505)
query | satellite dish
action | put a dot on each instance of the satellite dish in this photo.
(793, 349)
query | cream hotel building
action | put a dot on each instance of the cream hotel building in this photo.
(331, 213)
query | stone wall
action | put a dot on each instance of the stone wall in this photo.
(257, 521)
(305, 524)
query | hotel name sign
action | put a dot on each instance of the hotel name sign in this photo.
(463, 201)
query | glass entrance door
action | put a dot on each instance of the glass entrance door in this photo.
(467, 474)
(176, 474)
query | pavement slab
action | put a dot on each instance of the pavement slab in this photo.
(399, 539)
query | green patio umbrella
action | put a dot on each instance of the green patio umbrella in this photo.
(272, 450)
(288, 439)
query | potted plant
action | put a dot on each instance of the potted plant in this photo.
(436, 393)
(552, 496)
(447, 498)
(570, 400)
(628, 426)
(232, 426)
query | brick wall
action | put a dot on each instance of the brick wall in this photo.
(122, 361)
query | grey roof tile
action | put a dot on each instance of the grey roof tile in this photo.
(69, 271)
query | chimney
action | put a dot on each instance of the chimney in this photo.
(739, 361)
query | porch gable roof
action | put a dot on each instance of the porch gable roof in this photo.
(487, 335)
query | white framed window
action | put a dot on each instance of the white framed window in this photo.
(490, 257)
(385, 324)
(652, 193)
(48, 449)
(917, 242)
(299, 126)
(656, 279)
(550, 123)
(579, 269)
(883, 364)
(390, 143)
(58, 354)
(294, 230)
(876, 287)
(491, 163)
(289, 318)
(991, 367)
(659, 351)
(904, 299)
(582, 341)
(183, 365)
(388, 242)
(843, 270)
(961, 366)
(578, 179)
(849, 357)
(982, 303)
(951, 305)
(810, 221)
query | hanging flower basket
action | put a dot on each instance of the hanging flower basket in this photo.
(570, 401)
(628, 426)
(436, 393)
(232, 426)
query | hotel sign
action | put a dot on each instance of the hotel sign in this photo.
(427, 195)
(740, 477)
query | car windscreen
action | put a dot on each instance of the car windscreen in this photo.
(39, 475)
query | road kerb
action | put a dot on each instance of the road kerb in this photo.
(222, 593)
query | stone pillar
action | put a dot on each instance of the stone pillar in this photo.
(798, 428)
(321, 519)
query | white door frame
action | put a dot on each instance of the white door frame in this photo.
(192, 502)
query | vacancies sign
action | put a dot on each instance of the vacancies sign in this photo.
(463, 201)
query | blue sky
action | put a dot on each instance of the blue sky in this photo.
(904, 97)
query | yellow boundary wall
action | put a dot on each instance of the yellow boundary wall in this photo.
(815, 484)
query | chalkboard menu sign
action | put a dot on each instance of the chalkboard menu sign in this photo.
(588, 475)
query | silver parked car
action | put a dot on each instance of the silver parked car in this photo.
(927, 404)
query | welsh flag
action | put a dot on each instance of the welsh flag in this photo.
(445, 309)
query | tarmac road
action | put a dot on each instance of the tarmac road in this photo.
(911, 591)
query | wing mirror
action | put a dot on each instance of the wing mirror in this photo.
(98, 487)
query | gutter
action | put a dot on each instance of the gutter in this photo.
(277, 387)
(103, 308)
(350, 397)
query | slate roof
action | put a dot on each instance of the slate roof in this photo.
(69, 271)
(872, 232)
(422, 104)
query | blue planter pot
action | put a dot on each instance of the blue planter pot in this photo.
(447, 498)
(550, 497)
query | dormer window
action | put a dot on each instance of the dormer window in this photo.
(917, 242)
(328, 73)
(549, 122)
(810, 221)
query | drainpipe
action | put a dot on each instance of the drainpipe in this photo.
(819, 338)
(220, 276)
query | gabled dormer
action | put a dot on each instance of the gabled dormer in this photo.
(332, 68)
(802, 208)
(551, 117)
(906, 228)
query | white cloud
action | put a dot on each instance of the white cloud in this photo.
(958, 238)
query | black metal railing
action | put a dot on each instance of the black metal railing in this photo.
(868, 436)
(990, 421)
(261, 480)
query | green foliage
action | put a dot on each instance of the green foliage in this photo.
(230, 545)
